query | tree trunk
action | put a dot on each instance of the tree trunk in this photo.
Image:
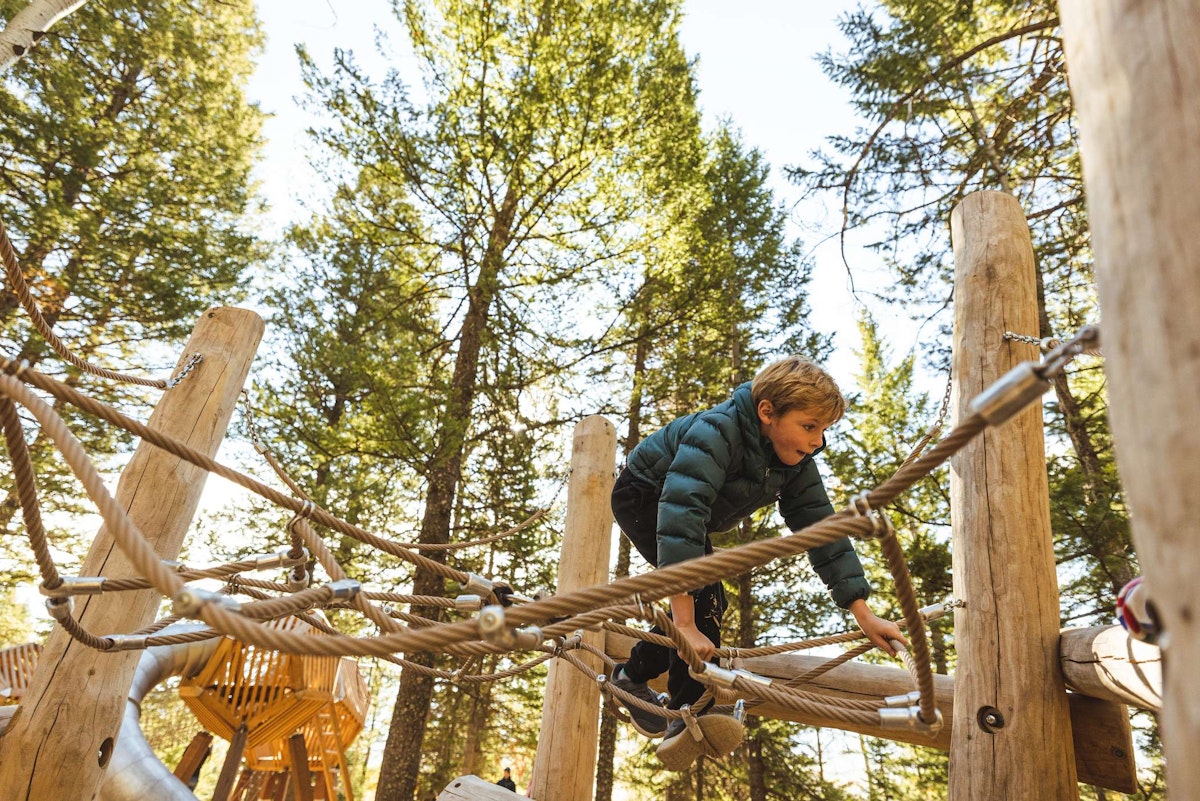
(402, 752)
(608, 724)
(28, 26)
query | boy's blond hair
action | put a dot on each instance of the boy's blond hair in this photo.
(797, 383)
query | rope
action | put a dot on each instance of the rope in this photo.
(69, 395)
(18, 453)
(16, 278)
(589, 608)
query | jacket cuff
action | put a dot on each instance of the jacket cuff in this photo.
(849, 590)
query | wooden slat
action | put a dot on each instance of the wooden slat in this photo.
(1103, 743)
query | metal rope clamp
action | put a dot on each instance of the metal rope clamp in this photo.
(910, 718)
(127, 642)
(476, 585)
(1012, 392)
(75, 585)
(60, 608)
(722, 677)
(494, 631)
(191, 600)
(344, 589)
(297, 579)
(468, 603)
(881, 524)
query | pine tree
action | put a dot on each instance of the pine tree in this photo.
(514, 167)
(965, 96)
(127, 142)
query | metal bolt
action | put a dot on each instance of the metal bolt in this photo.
(990, 719)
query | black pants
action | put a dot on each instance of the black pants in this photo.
(635, 507)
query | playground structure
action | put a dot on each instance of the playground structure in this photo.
(995, 256)
(1013, 730)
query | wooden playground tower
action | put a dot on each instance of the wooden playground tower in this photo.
(1013, 733)
(289, 716)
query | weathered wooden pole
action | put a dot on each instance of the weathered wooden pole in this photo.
(1012, 732)
(565, 766)
(1135, 76)
(59, 743)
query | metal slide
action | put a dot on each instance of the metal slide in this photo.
(135, 773)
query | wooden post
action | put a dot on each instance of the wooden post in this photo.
(58, 744)
(194, 757)
(233, 763)
(1012, 733)
(565, 766)
(301, 777)
(1135, 76)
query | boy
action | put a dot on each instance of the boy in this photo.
(704, 473)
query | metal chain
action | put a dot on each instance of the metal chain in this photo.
(192, 361)
(1009, 335)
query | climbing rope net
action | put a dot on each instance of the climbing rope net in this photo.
(493, 619)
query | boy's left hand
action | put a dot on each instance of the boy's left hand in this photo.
(879, 631)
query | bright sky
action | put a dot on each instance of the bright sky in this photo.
(756, 66)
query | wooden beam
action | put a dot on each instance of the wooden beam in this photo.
(1012, 731)
(1102, 736)
(194, 757)
(67, 734)
(858, 680)
(565, 765)
(1105, 662)
(1135, 77)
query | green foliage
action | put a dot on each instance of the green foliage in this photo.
(965, 96)
(127, 143)
(16, 626)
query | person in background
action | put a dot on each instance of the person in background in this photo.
(507, 783)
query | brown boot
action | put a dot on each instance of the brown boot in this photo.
(687, 738)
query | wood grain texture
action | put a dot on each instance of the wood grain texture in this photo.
(1135, 76)
(565, 766)
(73, 709)
(1003, 557)
(1105, 662)
(473, 788)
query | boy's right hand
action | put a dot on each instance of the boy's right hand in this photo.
(701, 644)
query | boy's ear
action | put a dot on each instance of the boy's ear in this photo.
(766, 411)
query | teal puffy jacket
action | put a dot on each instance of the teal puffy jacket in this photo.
(714, 468)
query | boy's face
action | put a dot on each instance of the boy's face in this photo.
(793, 434)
